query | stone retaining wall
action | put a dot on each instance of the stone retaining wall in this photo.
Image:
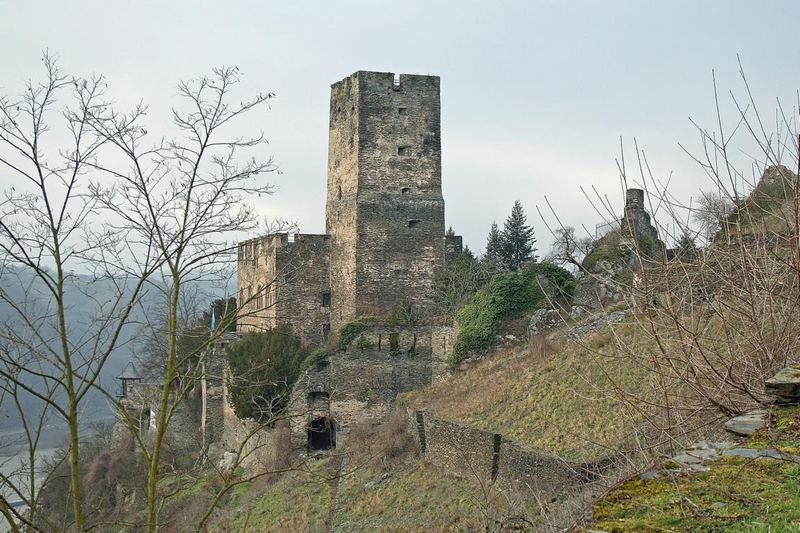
(488, 456)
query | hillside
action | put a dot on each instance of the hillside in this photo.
(378, 483)
(753, 485)
(566, 395)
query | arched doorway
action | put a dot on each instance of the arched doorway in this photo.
(321, 434)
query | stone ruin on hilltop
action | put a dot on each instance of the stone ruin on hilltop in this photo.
(383, 244)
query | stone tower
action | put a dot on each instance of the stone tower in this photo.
(385, 210)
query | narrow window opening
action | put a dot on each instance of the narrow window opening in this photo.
(340, 192)
(413, 223)
(396, 81)
(402, 150)
(405, 190)
(326, 299)
(402, 111)
(291, 237)
(318, 396)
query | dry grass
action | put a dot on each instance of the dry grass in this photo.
(541, 347)
(388, 442)
(563, 401)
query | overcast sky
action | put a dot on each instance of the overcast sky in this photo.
(535, 95)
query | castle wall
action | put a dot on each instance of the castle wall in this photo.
(282, 279)
(636, 224)
(362, 384)
(304, 266)
(474, 452)
(254, 442)
(340, 214)
(401, 208)
(257, 279)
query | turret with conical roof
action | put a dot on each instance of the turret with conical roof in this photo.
(128, 376)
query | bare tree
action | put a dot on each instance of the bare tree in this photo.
(568, 249)
(712, 212)
(50, 366)
(185, 198)
(707, 330)
(98, 211)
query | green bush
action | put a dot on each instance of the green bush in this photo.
(362, 343)
(350, 331)
(563, 280)
(506, 296)
(317, 355)
(264, 367)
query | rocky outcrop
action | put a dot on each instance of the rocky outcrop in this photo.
(748, 423)
(784, 386)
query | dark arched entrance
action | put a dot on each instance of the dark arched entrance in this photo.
(321, 434)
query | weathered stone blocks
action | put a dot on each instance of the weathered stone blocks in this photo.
(785, 386)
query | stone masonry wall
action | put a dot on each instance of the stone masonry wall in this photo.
(299, 299)
(385, 208)
(636, 224)
(400, 219)
(282, 279)
(254, 442)
(361, 385)
(257, 271)
(340, 215)
(473, 452)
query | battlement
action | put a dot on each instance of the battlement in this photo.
(386, 80)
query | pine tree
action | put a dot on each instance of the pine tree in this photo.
(517, 240)
(493, 246)
(686, 248)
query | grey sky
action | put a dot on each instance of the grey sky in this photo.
(534, 94)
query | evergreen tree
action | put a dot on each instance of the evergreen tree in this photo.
(461, 277)
(686, 248)
(493, 256)
(517, 240)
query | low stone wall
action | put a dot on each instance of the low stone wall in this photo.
(141, 404)
(473, 452)
(254, 442)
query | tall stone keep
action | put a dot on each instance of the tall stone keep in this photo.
(385, 210)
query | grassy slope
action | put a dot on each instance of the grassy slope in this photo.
(412, 496)
(735, 494)
(549, 402)
(299, 501)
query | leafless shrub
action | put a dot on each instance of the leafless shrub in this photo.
(388, 441)
(708, 328)
(541, 347)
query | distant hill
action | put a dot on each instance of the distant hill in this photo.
(86, 300)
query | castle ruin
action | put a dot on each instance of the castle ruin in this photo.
(384, 235)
